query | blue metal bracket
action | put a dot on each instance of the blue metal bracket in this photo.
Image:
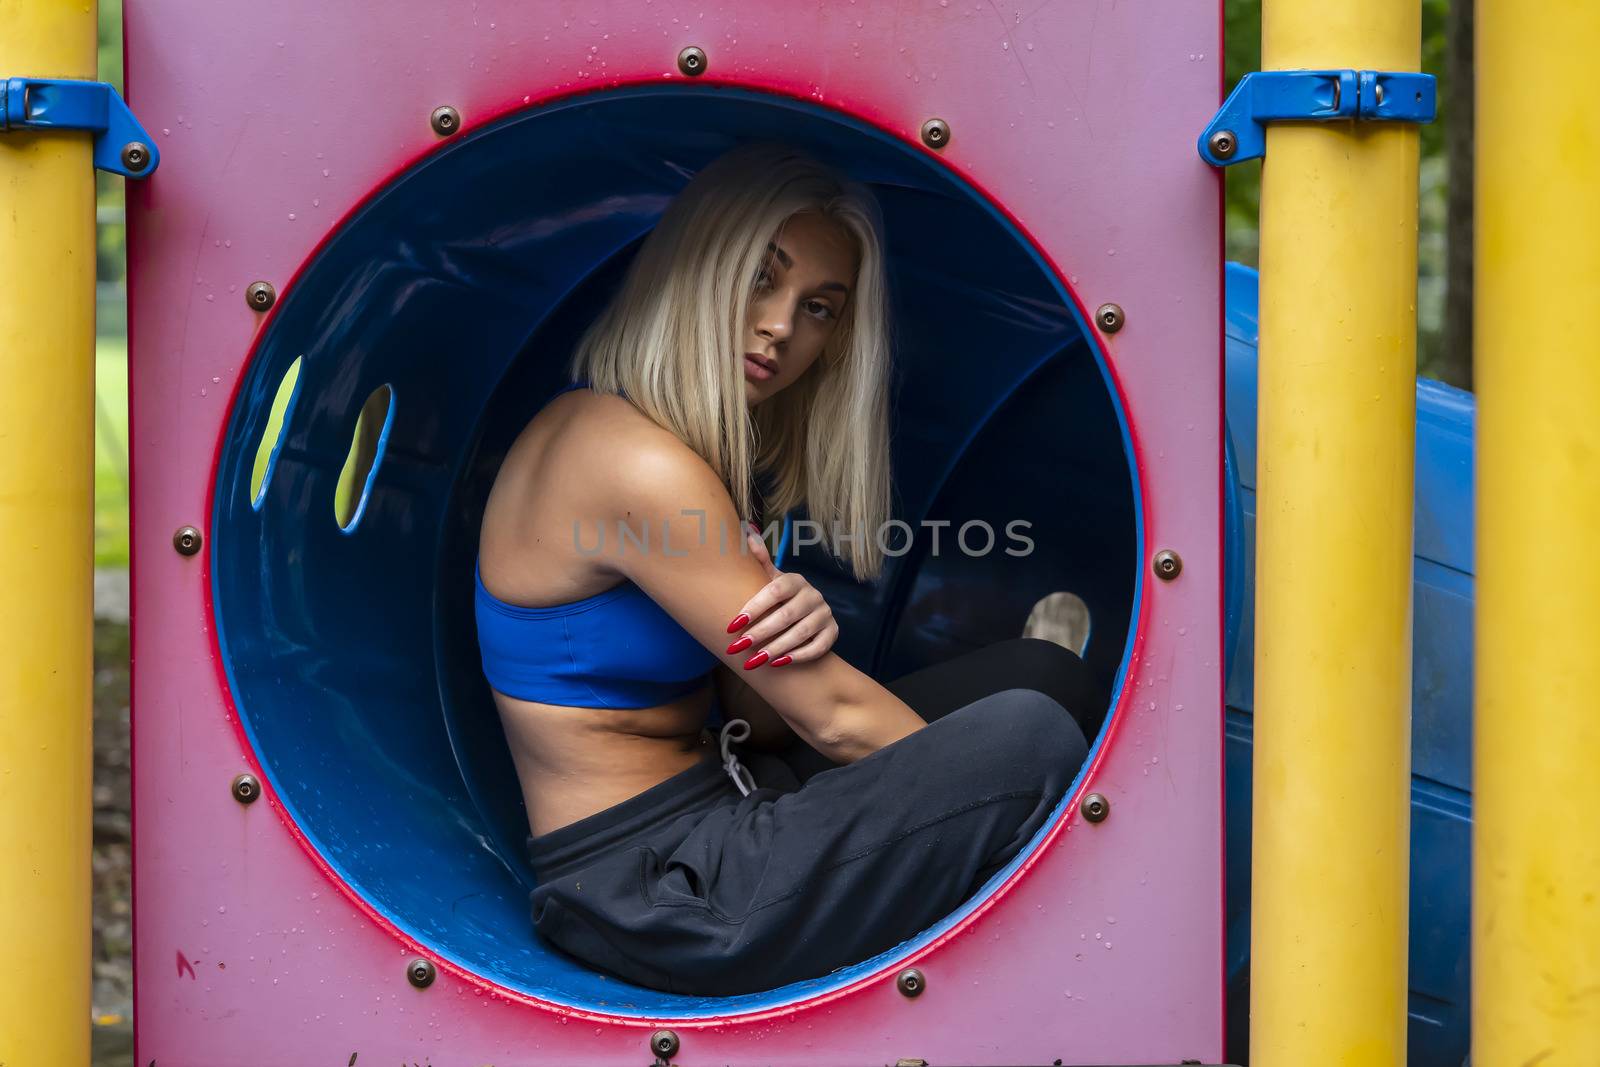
(121, 145)
(1237, 133)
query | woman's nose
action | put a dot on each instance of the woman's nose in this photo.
(774, 320)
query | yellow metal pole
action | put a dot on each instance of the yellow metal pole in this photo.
(47, 273)
(1536, 784)
(1334, 555)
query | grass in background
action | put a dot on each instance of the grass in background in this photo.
(110, 452)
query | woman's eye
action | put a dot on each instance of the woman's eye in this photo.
(819, 309)
(764, 279)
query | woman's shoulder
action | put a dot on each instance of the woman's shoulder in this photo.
(602, 422)
(606, 435)
(583, 456)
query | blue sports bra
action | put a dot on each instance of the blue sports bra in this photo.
(615, 649)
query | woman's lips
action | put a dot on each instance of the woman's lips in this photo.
(756, 370)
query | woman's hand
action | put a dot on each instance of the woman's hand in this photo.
(787, 621)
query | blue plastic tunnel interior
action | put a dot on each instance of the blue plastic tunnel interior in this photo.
(462, 285)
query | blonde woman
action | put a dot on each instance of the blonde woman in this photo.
(621, 602)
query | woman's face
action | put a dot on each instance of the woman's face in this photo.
(797, 302)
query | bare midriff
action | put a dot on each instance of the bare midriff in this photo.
(574, 762)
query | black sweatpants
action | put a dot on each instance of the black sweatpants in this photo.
(691, 888)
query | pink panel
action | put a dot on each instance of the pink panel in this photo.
(1079, 117)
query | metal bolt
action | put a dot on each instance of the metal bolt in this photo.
(420, 973)
(1095, 807)
(664, 1043)
(692, 61)
(936, 133)
(246, 789)
(1168, 565)
(186, 540)
(911, 982)
(1223, 144)
(260, 295)
(445, 120)
(1109, 317)
(135, 156)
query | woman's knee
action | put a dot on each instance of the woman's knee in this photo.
(1027, 734)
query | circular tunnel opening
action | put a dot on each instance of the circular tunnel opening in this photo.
(426, 331)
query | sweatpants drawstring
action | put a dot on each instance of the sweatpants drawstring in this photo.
(730, 762)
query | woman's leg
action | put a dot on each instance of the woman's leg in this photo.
(778, 887)
(1019, 663)
(933, 692)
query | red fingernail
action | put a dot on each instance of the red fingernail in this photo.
(781, 660)
(739, 622)
(756, 660)
(740, 645)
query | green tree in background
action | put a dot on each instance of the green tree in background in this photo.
(111, 327)
(1444, 252)
(110, 260)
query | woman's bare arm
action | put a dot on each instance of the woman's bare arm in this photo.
(686, 549)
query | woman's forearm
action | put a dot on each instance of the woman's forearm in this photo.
(836, 709)
(866, 717)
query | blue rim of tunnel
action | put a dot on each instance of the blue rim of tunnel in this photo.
(675, 1006)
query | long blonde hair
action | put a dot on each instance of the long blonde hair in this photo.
(672, 342)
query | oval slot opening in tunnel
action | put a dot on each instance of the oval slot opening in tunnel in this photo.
(461, 285)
